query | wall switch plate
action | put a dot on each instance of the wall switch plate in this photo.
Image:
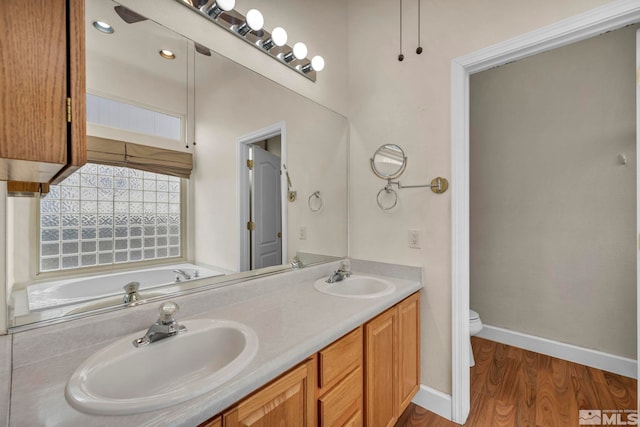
(303, 232)
(414, 239)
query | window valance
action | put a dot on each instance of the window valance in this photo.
(136, 156)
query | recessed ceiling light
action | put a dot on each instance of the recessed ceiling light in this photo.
(103, 27)
(167, 54)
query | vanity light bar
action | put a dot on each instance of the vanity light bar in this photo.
(266, 42)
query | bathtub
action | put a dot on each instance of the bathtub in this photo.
(61, 293)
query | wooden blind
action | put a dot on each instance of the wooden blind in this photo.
(143, 157)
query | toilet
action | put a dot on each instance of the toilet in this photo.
(475, 326)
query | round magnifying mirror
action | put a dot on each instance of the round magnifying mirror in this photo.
(388, 161)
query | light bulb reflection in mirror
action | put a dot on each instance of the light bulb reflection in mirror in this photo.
(317, 63)
(255, 20)
(279, 36)
(300, 50)
(220, 6)
(226, 5)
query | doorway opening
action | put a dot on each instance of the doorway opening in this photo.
(606, 18)
(262, 207)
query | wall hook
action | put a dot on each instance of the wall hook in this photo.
(622, 158)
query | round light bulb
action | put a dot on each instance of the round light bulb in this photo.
(317, 63)
(279, 36)
(255, 20)
(226, 5)
(300, 50)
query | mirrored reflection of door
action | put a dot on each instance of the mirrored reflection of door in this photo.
(266, 242)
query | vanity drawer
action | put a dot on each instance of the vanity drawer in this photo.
(343, 403)
(341, 357)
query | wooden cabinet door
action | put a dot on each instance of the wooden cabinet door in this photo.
(77, 92)
(41, 67)
(408, 350)
(381, 405)
(288, 401)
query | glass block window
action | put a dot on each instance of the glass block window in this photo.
(103, 215)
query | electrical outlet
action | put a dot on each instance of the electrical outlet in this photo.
(414, 239)
(303, 232)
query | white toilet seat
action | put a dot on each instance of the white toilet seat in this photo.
(475, 326)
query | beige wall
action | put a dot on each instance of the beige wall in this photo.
(553, 213)
(408, 103)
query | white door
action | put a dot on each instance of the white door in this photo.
(266, 241)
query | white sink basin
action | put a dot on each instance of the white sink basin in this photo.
(356, 287)
(122, 379)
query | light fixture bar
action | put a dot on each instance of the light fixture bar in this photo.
(232, 20)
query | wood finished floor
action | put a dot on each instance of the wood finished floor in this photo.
(515, 387)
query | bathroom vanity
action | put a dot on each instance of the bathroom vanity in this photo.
(385, 350)
(321, 358)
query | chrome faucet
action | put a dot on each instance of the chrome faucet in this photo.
(165, 327)
(297, 262)
(182, 273)
(339, 275)
(342, 272)
(131, 292)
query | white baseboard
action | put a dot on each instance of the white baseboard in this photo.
(584, 356)
(434, 401)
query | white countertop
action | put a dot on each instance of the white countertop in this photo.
(292, 321)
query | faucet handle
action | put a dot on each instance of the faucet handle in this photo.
(131, 287)
(167, 310)
(131, 294)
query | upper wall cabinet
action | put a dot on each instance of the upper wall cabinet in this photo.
(42, 89)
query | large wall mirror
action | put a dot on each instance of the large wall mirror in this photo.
(263, 157)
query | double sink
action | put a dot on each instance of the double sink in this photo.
(123, 379)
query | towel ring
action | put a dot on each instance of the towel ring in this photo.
(387, 190)
(315, 197)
